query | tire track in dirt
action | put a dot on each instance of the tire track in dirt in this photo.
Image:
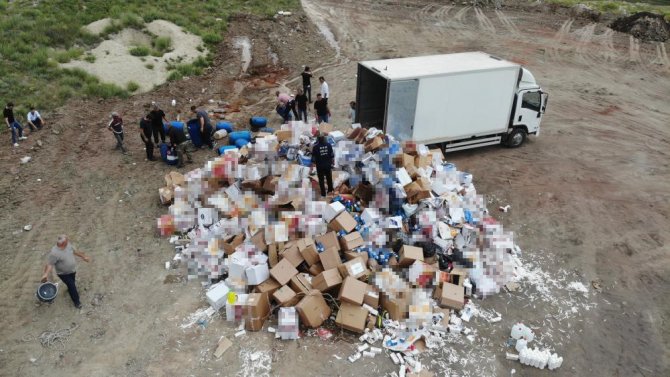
(584, 45)
(563, 33)
(484, 22)
(508, 23)
(661, 55)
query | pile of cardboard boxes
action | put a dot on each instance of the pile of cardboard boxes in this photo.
(405, 237)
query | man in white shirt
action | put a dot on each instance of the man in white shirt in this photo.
(325, 92)
(34, 119)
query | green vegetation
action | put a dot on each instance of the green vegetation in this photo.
(89, 58)
(162, 44)
(140, 51)
(36, 38)
(132, 86)
(622, 7)
(149, 66)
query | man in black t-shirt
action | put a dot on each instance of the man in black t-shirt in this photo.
(321, 108)
(307, 83)
(301, 104)
(14, 126)
(323, 157)
(157, 118)
(180, 143)
(145, 134)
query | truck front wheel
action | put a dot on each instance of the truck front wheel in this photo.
(516, 138)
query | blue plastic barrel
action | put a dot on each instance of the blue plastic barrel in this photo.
(194, 131)
(258, 122)
(241, 142)
(222, 149)
(268, 129)
(224, 126)
(234, 136)
(164, 148)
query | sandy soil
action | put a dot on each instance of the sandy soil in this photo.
(589, 202)
(114, 64)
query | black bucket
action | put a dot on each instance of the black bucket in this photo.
(47, 292)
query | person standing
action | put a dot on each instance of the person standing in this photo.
(321, 109)
(325, 90)
(14, 126)
(301, 104)
(34, 119)
(157, 119)
(146, 130)
(62, 259)
(180, 144)
(116, 126)
(307, 83)
(206, 128)
(352, 111)
(323, 158)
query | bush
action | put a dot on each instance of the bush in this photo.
(162, 44)
(132, 20)
(89, 58)
(139, 51)
(211, 38)
(67, 55)
(132, 86)
(149, 66)
(104, 90)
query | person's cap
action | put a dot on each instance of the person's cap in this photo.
(115, 114)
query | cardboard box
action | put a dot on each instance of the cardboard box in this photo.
(374, 144)
(257, 274)
(233, 242)
(300, 284)
(269, 286)
(457, 276)
(397, 308)
(327, 280)
(352, 291)
(285, 296)
(273, 256)
(332, 210)
(452, 296)
(371, 298)
(355, 268)
(351, 255)
(292, 254)
(423, 161)
(351, 241)
(370, 216)
(283, 135)
(330, 258)
(258, 240)
(313, 309)
(315, 269)
(217, 295)
(258, 310)
(174, 178)
(269, 184)
(308, 251)
(325, 128)
(409, 254)
(352, 317)
(343, 221)
(404, 160)
(283, 271)
(328, 240)
(364, 192)
(166, 195)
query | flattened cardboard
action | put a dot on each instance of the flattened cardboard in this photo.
(409, 254)
(258, 310)
(285, 296)
(343, 221)
(352, 291)
(352, 317)
(327, 280)
(313, 309)
(330, 258)
(283, 271)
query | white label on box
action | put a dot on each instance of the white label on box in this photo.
(357, 268)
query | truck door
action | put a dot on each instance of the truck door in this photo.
(529, 110)
(401, 108)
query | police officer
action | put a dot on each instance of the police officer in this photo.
(323, 158)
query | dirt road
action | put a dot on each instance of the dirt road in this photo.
(589, 202)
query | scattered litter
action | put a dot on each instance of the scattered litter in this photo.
(578, 287)
(28, 227)
(223, 346)
(505, 208)
(240, 333)
(25, 160)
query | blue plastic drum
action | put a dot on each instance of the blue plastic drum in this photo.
(194, 131)
(234, 136)
(258, 122)
(222, 149)
(241, 142)
(225, 126)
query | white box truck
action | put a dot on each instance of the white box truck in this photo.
(458, 101)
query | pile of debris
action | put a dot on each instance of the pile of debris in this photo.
(393, 255)
(644, 25)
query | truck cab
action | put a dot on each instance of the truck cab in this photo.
(527, 112)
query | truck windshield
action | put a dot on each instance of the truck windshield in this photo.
(532, 100)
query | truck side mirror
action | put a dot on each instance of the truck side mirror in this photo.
(545, 98)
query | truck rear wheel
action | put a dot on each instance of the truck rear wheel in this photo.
(516, 138)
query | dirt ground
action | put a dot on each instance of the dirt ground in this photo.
(589, 203)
